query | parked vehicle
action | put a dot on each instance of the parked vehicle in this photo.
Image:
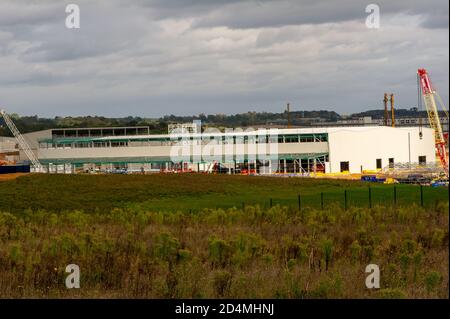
(439, 182)
(372, 178)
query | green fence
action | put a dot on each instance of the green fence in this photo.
(364, 197)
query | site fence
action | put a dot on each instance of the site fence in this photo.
(365, 197)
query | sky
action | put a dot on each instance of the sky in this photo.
(185, 57)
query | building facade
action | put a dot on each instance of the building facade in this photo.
(262, 151)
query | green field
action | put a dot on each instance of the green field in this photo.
(196, 191)
(217, 236)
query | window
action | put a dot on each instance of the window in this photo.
(321, 138)
(379, 163)
(107, 132)
(71, 133)
(391, 162)
(100, 144)
(306, 138)
(96, 132)
(119, 144)
(118, 131)
(422, 160)
(345, 166)
(291, 138)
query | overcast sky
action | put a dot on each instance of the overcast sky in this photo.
(156, 57)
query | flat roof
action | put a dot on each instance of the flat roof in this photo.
(231, 132)
(98, 128)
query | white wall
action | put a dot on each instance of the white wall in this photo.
(357, 145)
(363, 146)
(165, 151)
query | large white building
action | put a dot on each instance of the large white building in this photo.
(303, 150)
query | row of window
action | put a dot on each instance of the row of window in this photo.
(345, 166)
(209, 140)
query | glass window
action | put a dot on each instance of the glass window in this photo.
(291, 138)
(379, 163)
(345, 166)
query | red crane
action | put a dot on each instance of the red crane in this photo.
(428, 93)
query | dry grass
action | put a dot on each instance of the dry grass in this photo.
(254, 252)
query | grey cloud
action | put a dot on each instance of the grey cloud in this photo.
(275, 13)
(155, 57)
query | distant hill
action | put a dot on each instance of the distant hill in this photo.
(398, 113)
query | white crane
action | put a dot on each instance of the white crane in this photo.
(22, 142)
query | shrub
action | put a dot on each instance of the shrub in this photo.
(247, 247)
(294, 250)
(184, 255)
(391, 293)
(165, 247)
(327, 250)
(355, 250)
(431, 280)
(15, 254)
(328, 288)
(222, 282)
(437, 239)
(219, 251)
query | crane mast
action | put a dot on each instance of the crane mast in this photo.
(22, 142)
(428, 94)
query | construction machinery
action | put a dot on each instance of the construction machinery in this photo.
(428, 93)
(288, 110)
(386, 115)
(34, 162)
(392, 109)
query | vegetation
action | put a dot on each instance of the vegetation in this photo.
(173, 192)
(127, 245)
(27, 124)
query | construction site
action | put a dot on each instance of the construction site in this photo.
(378, 153)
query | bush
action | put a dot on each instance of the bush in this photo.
(391, 293)
(184, 255)
(166, 247)
(355, 250)
(437, 239)
(432, 280)
(327, 250)
(219, 251)
(247, 247)
(222, 283)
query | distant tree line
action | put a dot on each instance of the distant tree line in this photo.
(27, 124)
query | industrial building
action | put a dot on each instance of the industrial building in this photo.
(399, 122)
(262, 151)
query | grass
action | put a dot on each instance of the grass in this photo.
(166, 236)
(195, 191)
